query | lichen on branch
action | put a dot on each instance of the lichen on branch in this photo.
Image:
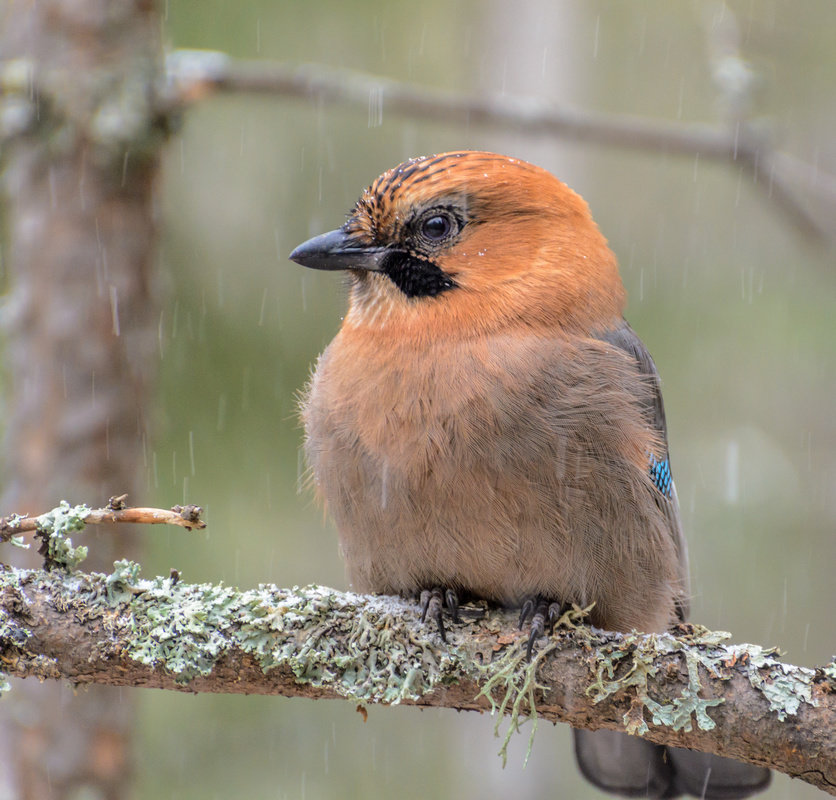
(688, 687)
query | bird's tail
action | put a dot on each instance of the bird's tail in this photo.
(632, 767)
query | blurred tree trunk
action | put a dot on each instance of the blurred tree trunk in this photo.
(533, 52)
(535, 49)
(81, 152)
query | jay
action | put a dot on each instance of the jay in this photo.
(487, 425)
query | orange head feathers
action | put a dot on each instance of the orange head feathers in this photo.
(468, 242)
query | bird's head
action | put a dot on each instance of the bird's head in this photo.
(466, 242)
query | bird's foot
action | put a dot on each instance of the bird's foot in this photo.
(543, 614)
(433, 602)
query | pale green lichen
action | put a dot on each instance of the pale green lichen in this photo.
(11, 631)
(786, 687)
(515, 678)
(57, 525)
(9, 524)
(12, 635)
(637, 653)
(827, 674)
(118, 584)
(322, 638)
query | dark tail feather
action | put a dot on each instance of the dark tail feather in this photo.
(624, 765)
(632, 767)
(705, 775)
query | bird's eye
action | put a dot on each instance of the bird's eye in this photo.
(437, 227)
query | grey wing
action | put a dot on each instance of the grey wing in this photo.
(625, 338)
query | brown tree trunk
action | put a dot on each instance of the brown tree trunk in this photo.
(80, 158)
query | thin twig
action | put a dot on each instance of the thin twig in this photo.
(185, 516)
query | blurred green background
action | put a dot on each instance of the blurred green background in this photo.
(736, 308)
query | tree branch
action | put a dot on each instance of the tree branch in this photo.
(187, 517)
(690, 689)
(195, 74)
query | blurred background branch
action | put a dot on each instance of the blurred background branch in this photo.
(790, 184)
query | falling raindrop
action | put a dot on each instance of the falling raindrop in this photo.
(384, 485)
(245, 391)
(732, 471)
(160, 328)
(175, 316)
(114, 309)
(300, 471)
(681, 102)
(375, 107)
(263, 306)
(221, 413)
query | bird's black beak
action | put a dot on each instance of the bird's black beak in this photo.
(337, 250)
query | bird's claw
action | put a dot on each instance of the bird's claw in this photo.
(540, 611)
(452, 600)
(433, 602)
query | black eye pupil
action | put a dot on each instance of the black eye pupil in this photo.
(436, 227)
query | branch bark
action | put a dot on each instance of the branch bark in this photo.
(187, 517)
(690, 689)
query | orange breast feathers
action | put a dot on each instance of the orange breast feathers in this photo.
(484, 419)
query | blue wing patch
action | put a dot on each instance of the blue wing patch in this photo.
(660, 474)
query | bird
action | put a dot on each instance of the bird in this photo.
(486, 425)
